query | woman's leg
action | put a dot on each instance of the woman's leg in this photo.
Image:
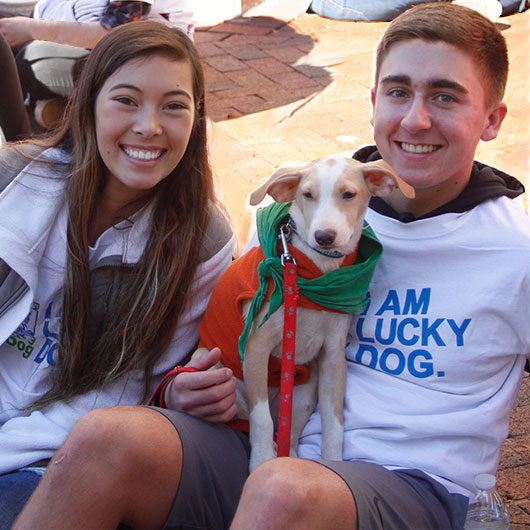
(118, 465)
(126, 464)
(14, 120)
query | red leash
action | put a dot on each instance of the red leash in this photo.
(288, 349)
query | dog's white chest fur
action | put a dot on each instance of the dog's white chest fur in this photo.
(314, 330)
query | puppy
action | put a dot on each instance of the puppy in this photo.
(325, 220)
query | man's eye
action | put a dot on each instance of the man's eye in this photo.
(445, 98)
(397, 93)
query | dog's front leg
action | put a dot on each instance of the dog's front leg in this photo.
(331, 388)
(304, 402)
(255, 369)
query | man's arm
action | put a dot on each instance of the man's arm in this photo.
(21, 30)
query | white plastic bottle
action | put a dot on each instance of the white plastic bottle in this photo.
(486, 509)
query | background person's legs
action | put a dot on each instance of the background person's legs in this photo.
(48, 72)
(14, 120)
(15, 490)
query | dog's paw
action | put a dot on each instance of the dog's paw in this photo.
(332, 451)
(259, 457)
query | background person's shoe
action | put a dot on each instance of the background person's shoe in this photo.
(491, 9)
(48, 112)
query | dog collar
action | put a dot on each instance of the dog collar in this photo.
(291, 227)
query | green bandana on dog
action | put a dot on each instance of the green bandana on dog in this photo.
(344, 289)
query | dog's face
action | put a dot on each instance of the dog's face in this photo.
(331, 196)
(330, 203)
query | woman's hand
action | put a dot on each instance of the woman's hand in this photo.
(209, 393)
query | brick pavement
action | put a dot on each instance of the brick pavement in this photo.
(279, 92)
(250, 66)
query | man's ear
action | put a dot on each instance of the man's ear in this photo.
(494, 121)
(372, 99)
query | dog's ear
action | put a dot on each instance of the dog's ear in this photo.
(382, 180)
(281, 186)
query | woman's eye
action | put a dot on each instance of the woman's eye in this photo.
(125, 100)
(349, 195)
(175, 106)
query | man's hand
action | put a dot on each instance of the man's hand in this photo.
(16, 30)
(209, 394)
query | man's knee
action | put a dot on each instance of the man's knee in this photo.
(295, 493)
(285, 485)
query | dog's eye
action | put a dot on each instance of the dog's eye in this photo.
(307, 195)
(349, 195)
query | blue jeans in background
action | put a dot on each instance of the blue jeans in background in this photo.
(15, 490)
(386, 10)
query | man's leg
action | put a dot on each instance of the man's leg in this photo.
(119, 465)
(287, 493)
(295, 493)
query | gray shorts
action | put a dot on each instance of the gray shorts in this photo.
(399, 499)
(215, 467)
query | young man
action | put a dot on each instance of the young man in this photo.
(435, 362)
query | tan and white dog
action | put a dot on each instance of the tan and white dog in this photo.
(330, 197)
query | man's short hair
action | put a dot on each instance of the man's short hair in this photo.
(464, 28)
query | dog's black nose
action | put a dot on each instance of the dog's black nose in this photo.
(325, 238)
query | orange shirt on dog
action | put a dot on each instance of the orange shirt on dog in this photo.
(223, 321)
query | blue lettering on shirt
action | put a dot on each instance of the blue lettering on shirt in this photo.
(31, 329)
(398, 327)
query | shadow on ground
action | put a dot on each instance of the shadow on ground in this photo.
(255, 64)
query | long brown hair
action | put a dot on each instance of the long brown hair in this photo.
(460, 26)
(145, 322)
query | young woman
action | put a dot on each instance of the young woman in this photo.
(110, 244)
